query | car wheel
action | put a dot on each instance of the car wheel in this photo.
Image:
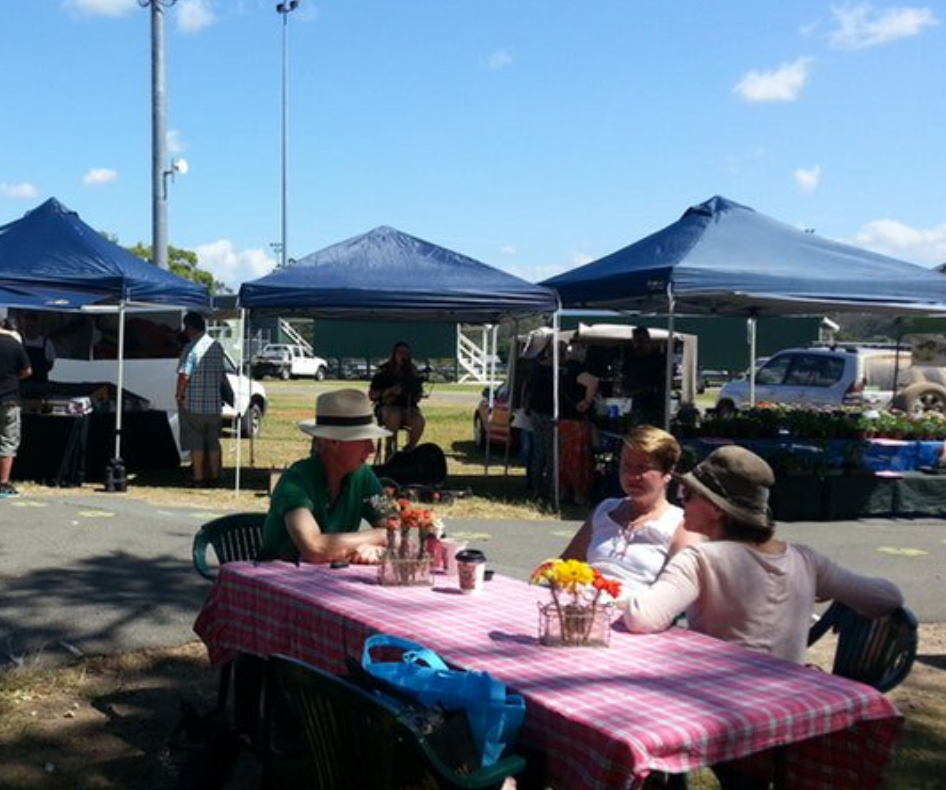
(725, 409)
(320, 374)
(922, 398)
(251, 422)
(285, 374)
(479, 431)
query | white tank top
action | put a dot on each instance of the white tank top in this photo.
(637, 555)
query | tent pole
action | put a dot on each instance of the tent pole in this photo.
(751, 328)
(668, 361)
(120, 380)
(484, 341)
(510, 390)
(239, 399)
(556, 488)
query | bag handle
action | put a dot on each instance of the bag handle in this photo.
(411, 652)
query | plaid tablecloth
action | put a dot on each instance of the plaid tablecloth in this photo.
(602, 717)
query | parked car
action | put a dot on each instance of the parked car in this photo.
(499, 429)
(288, 361)
(841, 376)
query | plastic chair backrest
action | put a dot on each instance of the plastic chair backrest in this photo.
(356, 739)
(236, 536)
(876, 651)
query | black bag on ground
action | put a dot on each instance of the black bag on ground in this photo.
(425, 464)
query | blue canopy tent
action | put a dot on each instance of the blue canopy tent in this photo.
(51, 247)
(724, 258)
(388, 274)
(51, 260)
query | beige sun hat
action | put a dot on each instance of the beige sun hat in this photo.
(346, 415)
(737, 481)
(537, 342)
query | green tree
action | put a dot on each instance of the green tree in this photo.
(183, 263)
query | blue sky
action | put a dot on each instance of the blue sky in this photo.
(533, 135)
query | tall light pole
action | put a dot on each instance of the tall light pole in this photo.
(159, 205)
(284, 9)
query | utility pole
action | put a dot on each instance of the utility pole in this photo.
(284, 9)
(159, 206)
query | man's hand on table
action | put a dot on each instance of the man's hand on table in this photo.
(367, 555)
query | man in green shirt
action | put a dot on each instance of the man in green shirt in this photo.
(319, 502)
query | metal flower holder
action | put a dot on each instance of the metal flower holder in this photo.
(575, 625)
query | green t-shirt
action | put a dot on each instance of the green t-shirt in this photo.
(305, 484)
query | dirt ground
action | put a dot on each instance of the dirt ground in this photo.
(109, 722)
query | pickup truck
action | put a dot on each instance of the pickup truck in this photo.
(288, 361)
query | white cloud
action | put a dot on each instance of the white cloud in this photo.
(172, 139)
(194, 15)
(508, 249)
(861, 26)
(781, 84)
(101, 7)
(498, 60)
(22, 191)
(581, 258)
(899, 240)
(232, 266)
(100, 175)
(808, 179)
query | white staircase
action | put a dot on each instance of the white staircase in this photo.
(289, 331)
(473, 355)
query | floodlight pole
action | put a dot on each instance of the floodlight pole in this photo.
(284, 9)
(159, 207)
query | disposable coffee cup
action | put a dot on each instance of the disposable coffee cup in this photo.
(450, 549)
(471, 570)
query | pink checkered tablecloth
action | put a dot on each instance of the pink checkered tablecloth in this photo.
(602, 718)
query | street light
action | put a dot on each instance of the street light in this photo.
(177, 166)
(159, 209)
(285, 9)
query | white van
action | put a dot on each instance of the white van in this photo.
(86, 351)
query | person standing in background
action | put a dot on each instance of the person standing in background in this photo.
(200, 375)
(14, 366)
(39, 348)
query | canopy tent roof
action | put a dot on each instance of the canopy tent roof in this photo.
(390, 275)
(51, 254)
(725, 258)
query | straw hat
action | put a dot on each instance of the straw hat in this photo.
(737, 481)
(346, 415)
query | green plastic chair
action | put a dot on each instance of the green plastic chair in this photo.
(234, 537)
(877, 651)
(354, 738)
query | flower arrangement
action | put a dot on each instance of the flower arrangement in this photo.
(410, 531)
(582, 601)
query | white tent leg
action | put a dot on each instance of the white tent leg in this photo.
(239, 399)
(556, 488)
(668, 374)
(751, 330)
(120, 380)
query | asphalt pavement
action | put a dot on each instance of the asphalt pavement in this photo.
(85, 573)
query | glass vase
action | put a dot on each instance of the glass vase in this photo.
(405, 572)
(575, 625)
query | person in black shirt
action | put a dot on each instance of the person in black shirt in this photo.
(14, 365)
(396, 390)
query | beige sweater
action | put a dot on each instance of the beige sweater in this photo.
(762, 601)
